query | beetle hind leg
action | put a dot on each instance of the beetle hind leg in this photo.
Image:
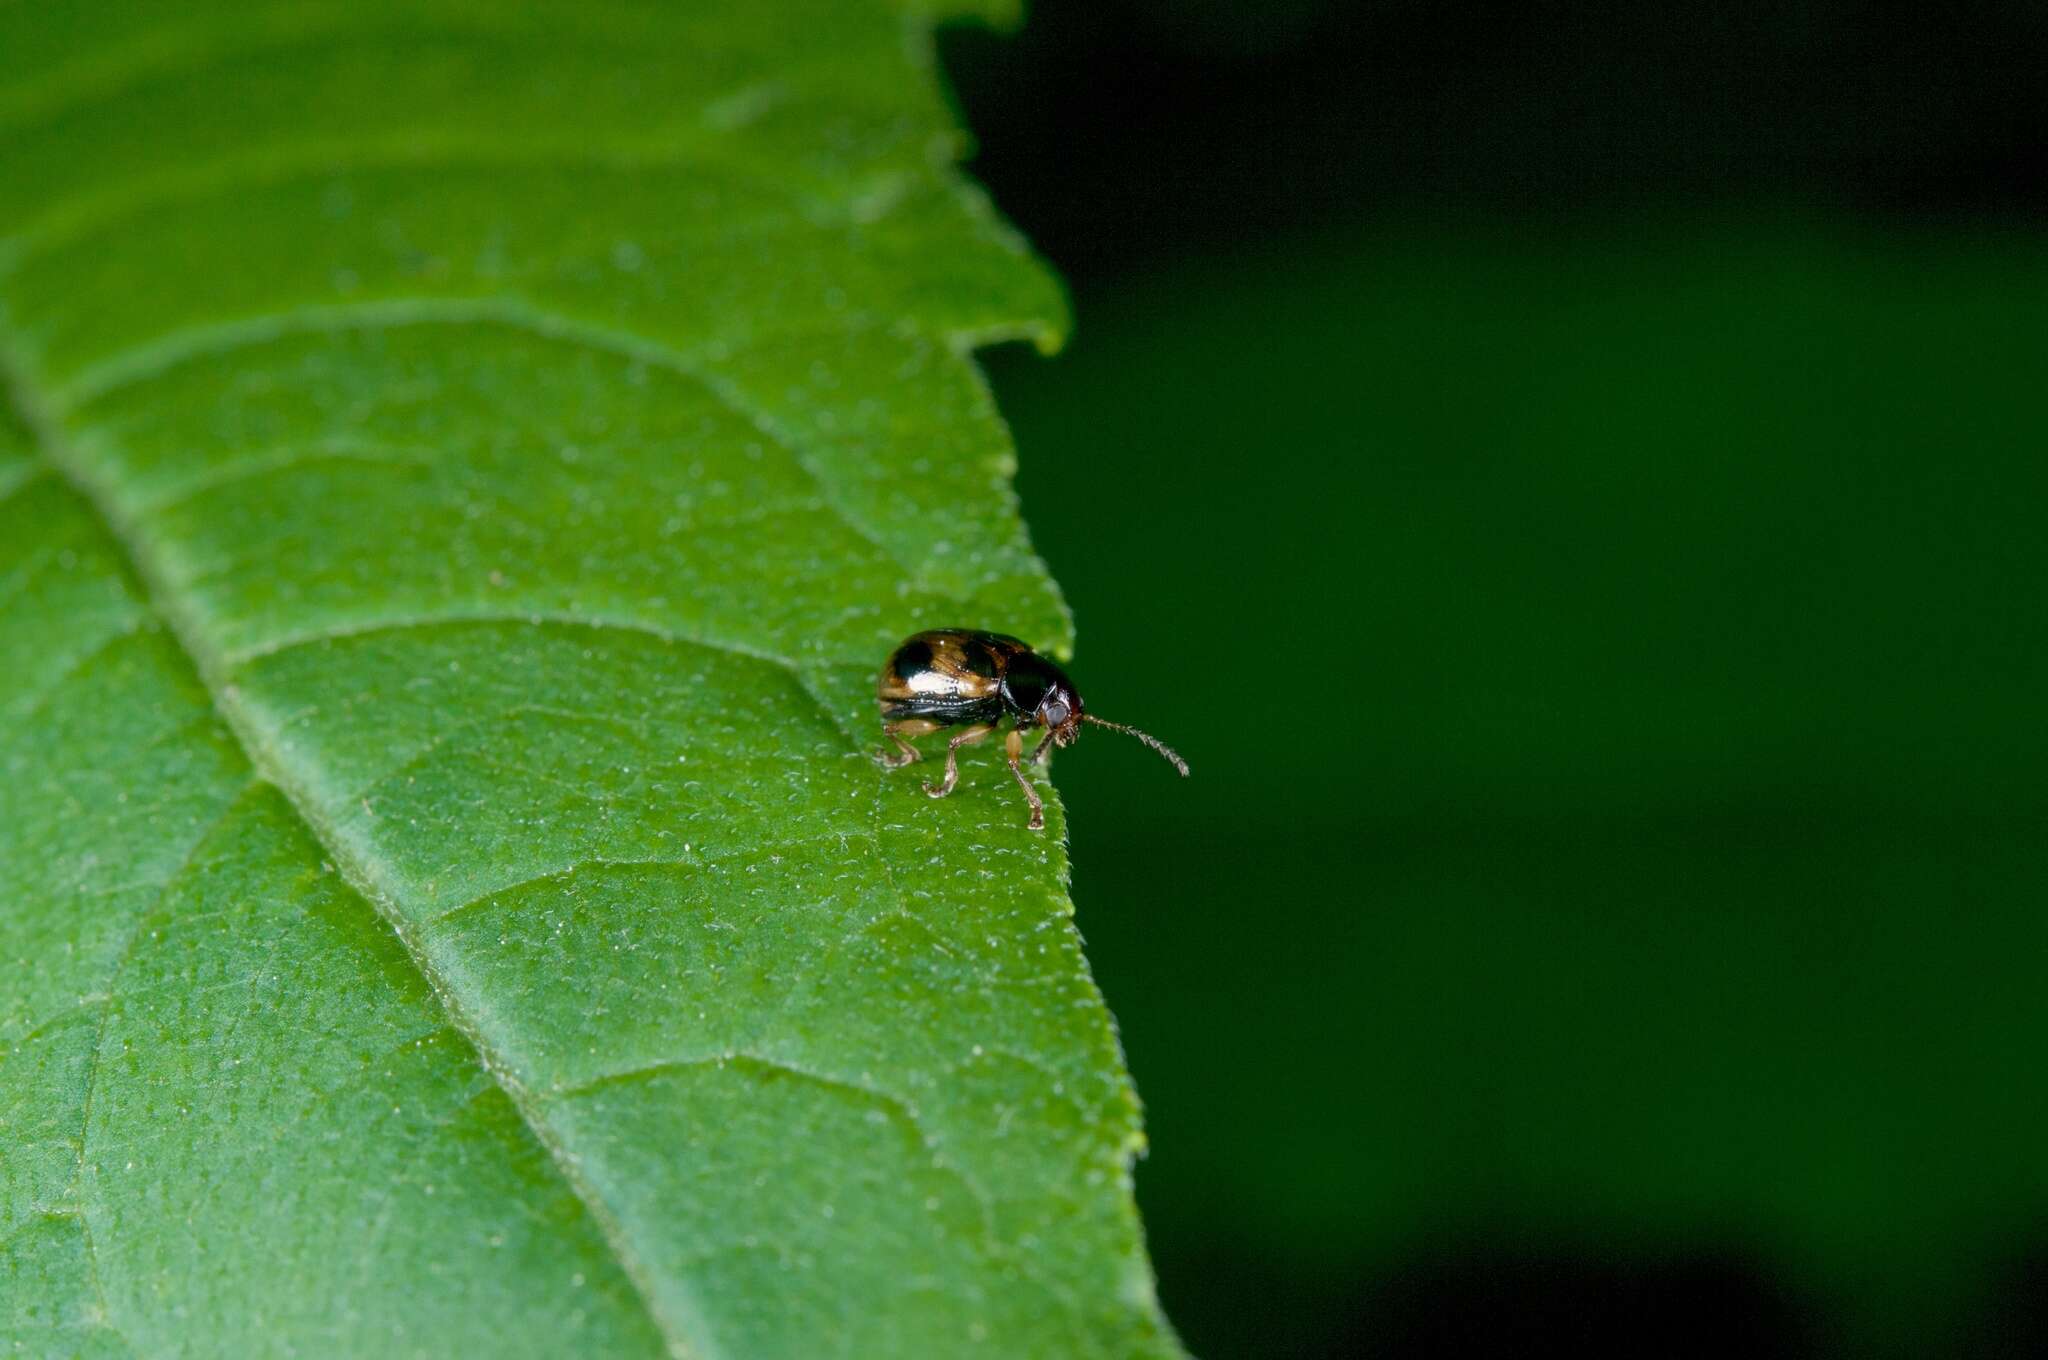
(900, 732)
(1014, 748)
(966, 738)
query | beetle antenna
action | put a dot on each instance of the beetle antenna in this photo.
(1155, 743)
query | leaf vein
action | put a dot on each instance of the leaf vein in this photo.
(165, 54)
(528, 618)
(901, 1106)
(165, 352)
(497, 895)
(24, 707)
(276, 461)
(83, 216)
(20, 478)
(99, 1041)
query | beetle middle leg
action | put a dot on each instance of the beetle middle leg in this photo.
(1013, 746)
(967, 737)
(898, 732)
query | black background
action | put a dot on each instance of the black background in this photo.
(1569, 478)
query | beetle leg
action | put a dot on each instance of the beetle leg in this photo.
(896, 732)
(966, 738)
(1014, 747)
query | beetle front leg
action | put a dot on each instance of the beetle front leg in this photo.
(966, 738)
(1013, 746)
(897, 732)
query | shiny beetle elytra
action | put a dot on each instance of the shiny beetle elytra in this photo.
(956, 677)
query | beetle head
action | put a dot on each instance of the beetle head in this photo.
(1059, 713)
(1040, 693)
(1037, 687)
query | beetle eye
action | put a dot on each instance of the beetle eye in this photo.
(1055, 713)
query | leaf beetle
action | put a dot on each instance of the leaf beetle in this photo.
(959, 677)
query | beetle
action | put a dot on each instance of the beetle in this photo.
(960, 677)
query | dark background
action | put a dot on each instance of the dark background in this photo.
(1571, 480)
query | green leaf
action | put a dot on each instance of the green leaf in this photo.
(463, 467)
